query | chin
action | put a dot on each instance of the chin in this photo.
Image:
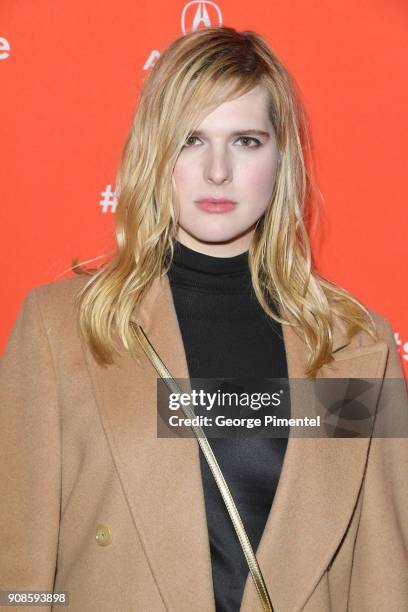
(214, 234)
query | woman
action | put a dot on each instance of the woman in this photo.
(213, 264)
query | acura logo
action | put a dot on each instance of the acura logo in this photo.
(198, 13)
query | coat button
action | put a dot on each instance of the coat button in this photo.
(103, 535)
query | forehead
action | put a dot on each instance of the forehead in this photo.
(251, 105)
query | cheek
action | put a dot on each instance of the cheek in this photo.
(258, 180)
(260, 177)
(183, 175)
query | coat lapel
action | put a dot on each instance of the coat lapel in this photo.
(318, 486)
(161, 477)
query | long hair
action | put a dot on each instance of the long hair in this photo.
(195, 74)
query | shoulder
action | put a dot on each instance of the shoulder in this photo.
(59, 296)
(383, 326)
(53, 304)
(386, 335)
(46, 320)
(61, 290)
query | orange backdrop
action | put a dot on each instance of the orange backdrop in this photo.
(70, 73)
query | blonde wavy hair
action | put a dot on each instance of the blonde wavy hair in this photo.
(195, 74)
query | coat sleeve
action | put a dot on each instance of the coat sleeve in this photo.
(30, 456)
(379, 577)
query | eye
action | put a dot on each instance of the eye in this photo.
(247, 139)
(187, 142)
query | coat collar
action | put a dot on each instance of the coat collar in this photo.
(146, 314)
(161, 477)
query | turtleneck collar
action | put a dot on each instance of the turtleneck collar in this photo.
(206, 272)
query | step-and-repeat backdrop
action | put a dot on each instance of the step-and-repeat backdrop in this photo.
(70, 73)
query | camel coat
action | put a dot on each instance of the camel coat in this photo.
(94, 503)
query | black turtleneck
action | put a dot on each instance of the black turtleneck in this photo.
(226, 334)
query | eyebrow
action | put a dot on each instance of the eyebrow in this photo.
(200, 133)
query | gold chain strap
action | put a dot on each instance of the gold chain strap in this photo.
(215, 469)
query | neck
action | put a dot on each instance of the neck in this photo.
(209, 273)
(217, 249)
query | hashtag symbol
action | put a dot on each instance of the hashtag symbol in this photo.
(109, 199)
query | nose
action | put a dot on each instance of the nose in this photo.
(217, 167)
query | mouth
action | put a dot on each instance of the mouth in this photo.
(216, 205)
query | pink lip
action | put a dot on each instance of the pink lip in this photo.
(216, 205)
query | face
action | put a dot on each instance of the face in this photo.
(232, 156)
